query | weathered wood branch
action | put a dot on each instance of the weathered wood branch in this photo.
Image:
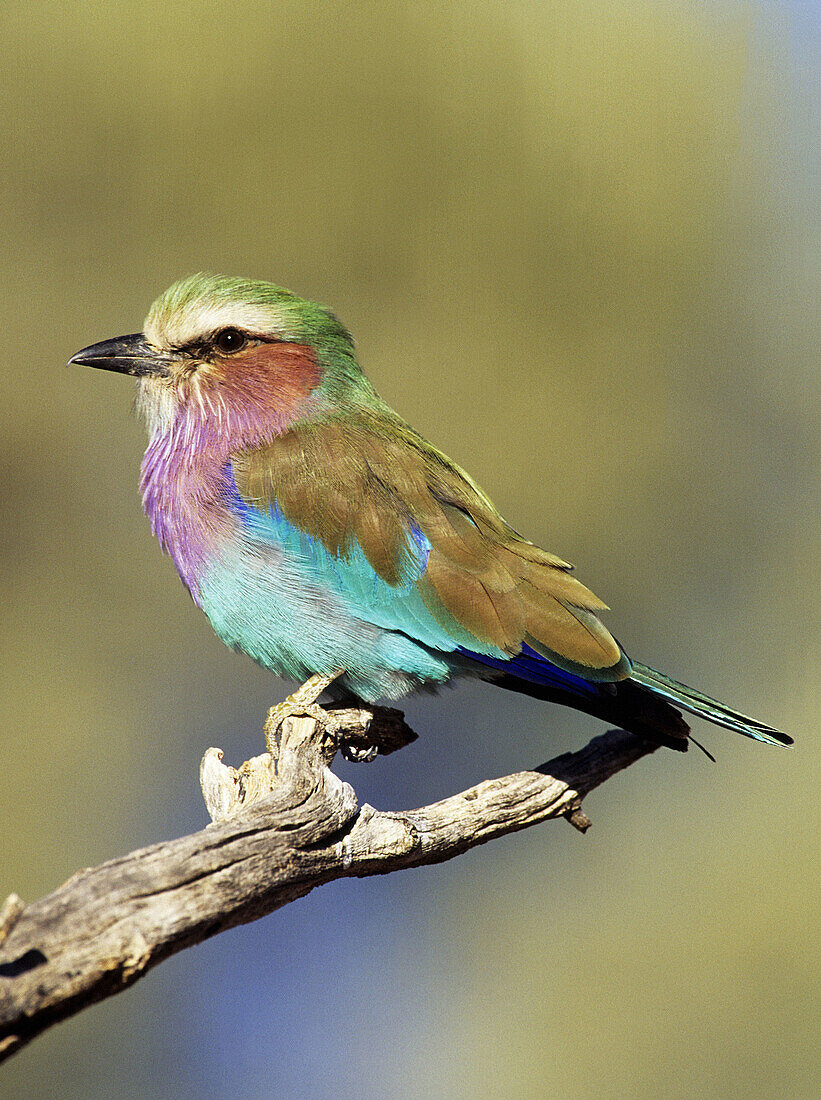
(283, 824)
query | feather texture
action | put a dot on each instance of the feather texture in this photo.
(319, 532)
(368, 481)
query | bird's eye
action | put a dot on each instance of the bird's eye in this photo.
(229, 340)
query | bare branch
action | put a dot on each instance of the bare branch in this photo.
(283, 824)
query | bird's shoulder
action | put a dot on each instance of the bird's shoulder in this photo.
(370, 469)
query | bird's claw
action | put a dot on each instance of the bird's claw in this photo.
(328, 735)
(358, 754)
(301, 704)
(289, 709)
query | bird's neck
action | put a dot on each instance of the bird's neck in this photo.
(185, 479)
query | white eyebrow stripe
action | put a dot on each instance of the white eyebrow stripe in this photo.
(202, 319)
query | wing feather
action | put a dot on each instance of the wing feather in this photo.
(369, 483)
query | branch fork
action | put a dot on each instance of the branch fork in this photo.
(299, 735)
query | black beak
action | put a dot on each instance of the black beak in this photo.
(126, 355)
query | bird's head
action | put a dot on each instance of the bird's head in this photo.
(235, 354)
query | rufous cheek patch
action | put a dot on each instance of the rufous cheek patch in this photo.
(284, 373)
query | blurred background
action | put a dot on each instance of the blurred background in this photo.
(578, 245)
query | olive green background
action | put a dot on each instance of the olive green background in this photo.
(578, 245)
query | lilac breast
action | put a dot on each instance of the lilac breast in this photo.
(185, 496)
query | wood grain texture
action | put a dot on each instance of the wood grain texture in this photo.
(108, 925)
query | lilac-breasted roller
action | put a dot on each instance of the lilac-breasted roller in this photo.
(321, 534)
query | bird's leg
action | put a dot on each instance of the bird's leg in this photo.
(300, 704)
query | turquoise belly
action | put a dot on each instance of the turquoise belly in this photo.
(271, 605)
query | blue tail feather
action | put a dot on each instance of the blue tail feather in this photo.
(647, 702)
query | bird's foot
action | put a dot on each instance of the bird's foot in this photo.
(358, 754)
(301, 704)
(300, 735)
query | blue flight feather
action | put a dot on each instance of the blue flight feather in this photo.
(536, 669)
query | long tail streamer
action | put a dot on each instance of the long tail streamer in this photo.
(704, 707)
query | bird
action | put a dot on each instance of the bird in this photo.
(323, 537)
